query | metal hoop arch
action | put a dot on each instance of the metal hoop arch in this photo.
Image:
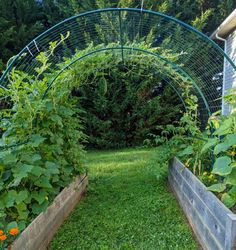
(175, 66)
(206, 38)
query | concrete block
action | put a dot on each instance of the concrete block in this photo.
(213, 223)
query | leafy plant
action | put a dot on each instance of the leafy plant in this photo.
(124, 100)
(8, 235)
(223, 147)
(210, 154)
(41, 148)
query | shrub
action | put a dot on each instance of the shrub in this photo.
(124, 101)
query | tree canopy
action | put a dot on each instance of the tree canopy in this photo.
(22, 20)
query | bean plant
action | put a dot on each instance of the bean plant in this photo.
(41, 144)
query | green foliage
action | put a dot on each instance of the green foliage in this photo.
(223, 146)
(219, 187)
(217, 144)
(200, 22)
(48, 153)
(124, 101)
(185, 140)
(22, 20)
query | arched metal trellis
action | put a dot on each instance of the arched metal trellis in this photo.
(198, 60)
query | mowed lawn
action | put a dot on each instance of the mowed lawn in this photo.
(128, 205)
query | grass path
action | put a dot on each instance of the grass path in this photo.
(126, 207)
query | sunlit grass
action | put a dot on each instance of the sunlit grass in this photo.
(126, 207)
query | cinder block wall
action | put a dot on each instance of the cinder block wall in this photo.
(213, 223)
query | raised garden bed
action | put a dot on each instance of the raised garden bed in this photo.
(42, 229)
(213, 223)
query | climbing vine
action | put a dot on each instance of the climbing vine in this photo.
(42, 131)
(41, 149)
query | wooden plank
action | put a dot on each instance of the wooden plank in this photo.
(42, 229)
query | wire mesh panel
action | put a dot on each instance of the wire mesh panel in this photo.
(192, 55)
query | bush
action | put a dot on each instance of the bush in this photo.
(124, 101)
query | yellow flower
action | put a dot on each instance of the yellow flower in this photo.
(233, 153)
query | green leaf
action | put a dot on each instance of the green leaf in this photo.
(231, 178)
(50, 164)
(21, 172)
(52, 168)
(36, 157)
(221, 147)
(229, 141)
(9, 159)
(57, 119)
(43, 182)
(219, 187)
(38, 208)
(36, 140)
(49, 105)
(225, 127)
(25, 168)
(6, 175)
(22, 211)
(232, 192)
(39, 196)
(22, 225)
(222, 166)
(37, 171)
(21, 196)
(12, 224)
(16, 181)
(211, 142)
(10, 198)
(187, 151)
(228, 200)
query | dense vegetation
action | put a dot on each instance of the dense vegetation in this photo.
(134, 207)
(22, 20)
(103, 102)
(124, 101)
(210, 154)
(111, 99)
(42, 129)
(41, 149)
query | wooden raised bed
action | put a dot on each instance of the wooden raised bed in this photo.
(40, 232)
(213, 223)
